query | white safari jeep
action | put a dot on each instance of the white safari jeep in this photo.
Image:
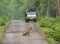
(30, 16)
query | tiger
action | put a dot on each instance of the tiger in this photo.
(27, 31)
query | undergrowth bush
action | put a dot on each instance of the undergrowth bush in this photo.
(46, 22)
(56, 33)
(3, 20)
(51, 27)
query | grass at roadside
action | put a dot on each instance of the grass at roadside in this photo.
(50, 40)
(51, 28)
(1, 32)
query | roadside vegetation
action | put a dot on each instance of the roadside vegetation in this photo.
(51, 27)
(3, 21)
(1, 32)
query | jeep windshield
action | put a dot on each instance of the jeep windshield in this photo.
(31, 13)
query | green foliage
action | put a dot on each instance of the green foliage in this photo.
(13, 8)
(41, 6)
(56, 33)
(46, 22)
(1, 32)
(3, 20)
(51, 27)
(52, 41)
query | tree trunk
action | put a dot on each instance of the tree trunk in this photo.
(48, 9)
(58, 8)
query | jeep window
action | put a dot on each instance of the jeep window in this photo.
(31, 13)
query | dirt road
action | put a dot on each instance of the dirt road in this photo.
(13, 34)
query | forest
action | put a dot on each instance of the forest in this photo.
(48, 12)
